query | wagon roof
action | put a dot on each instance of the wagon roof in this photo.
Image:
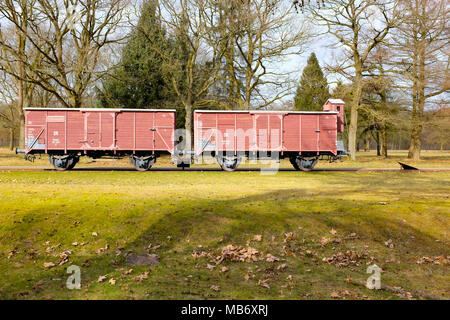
(267, 111)
(335, 101)
(101, 109)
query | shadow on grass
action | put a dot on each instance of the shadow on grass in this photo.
(216, 223)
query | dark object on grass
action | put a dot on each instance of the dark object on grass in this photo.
(407, 167)
(142, 259)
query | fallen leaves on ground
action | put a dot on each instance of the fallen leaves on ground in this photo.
(200, 254)
(335, 295)
(351, 236)
(215, 288)
(263, 283)
(141, 277)
(64, 257)
(249, 275)
(281, 267)
(112, 281)
(271, 258)
(11, 253)
(389, 244)
(345, 259)
(338, 295)
(127, 272)
(49, 264)
(101, 278)
(434, 260)
(151, 247)
(289, 236)
(101, 250)
(238, 254)
(52, 248)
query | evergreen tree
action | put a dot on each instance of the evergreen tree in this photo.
(312, 91)
(139, 80)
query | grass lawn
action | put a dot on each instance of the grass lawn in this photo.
(400, 221)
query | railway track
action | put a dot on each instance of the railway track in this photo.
(210, 169)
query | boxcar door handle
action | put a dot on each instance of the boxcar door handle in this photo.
(317, 130)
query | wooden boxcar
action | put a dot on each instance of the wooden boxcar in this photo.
(300, 136)
(66, 134)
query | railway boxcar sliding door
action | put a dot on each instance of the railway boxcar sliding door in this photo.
(328, 132)
(163, 127)
(309, 132)
(269, 129)
(56, 130)
(107, 124)
(91, 130)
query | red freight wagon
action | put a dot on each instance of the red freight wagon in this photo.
(66, 134)
(299, 135)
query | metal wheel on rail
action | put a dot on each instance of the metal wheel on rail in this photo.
(63, 163)
(293, 161)
(304, 163)
(229, 163)
(143, 163)
(73, 162)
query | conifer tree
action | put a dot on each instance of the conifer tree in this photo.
(139, 80)
(312, 91)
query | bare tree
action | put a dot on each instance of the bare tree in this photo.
(9, 115)
(380, 101)
(192, 64)
(422, 59)
(69, 35)
(358, 26)
(438, 126)
(14, 53)
(255, 36)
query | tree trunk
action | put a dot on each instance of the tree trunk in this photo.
(419, 97)
(367, 142)
(354, 113)
(384, 146)
(19, 106)
(11, 138)
(188, 125)
(415, 144)
(75, 101)
(378, 143)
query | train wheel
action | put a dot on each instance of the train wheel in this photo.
(229, 163)
(304, 164)
(61, 163)
(73, 161)
(294, 163)
(143, 163)
(307, 164)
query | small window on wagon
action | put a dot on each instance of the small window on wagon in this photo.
(339, 108)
